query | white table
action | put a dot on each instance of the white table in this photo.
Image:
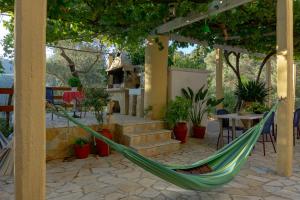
(233, 117)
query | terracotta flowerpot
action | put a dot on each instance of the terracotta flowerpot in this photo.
(82, 152)
(102, 147)
(180, 131)
(199, 131)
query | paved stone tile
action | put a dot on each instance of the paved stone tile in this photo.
(115, 177)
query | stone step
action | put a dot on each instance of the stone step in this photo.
(146, 137)
(142, 127)
(162, 147)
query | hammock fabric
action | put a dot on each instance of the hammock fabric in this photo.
(223, 165)
(6, 155)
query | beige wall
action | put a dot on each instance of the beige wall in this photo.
(59, 141)
(183, 78)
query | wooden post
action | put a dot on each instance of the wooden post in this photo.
(29, 126)
(285, 86)
(156, 75)
(269, 81)
(219, 77)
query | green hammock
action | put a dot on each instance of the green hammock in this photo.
(224, 163)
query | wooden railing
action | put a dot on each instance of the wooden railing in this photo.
(7, 108)
(58, 92)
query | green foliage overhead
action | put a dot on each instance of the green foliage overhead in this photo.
(252, 91)
(127, 23)
(124, 23)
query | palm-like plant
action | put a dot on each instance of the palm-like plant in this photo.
(252, 91)
(200, 103)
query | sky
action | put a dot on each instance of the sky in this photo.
(3, 32)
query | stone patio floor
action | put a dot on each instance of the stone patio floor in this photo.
(114, 177)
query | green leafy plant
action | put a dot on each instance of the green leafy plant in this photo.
(96, 99)
(4, 128)
(257, 108)
(74, 82)
(177, 111)
(81, 142)
(252, 91)
(200, 103)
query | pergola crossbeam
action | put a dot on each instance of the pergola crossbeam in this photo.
(194, 17)
(181, 38)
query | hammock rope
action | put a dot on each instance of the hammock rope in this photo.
(225, 163)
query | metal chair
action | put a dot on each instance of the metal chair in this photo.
(50, 99)
(268, 130)
(226, 126)
(296, 126)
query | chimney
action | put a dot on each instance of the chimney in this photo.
(110, 60)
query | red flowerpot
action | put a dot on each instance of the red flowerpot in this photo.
(199, 131)
(102, 147)
(180, 131)
(82, 151)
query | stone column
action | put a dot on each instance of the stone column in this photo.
(285, 86)
(29, 126)
(156, 75)
(219, 77)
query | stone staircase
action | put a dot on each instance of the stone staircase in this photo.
(148, 138)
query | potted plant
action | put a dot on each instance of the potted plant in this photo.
(258, 108)
(200, 104)
(176, 116)
(97, 99)
(81, 148)
(250, 92)
(74, 83)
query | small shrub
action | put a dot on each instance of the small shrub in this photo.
(74, 82)
(81, 142)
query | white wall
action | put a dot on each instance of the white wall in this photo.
(182, 78)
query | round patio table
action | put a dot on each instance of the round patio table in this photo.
(234, 117)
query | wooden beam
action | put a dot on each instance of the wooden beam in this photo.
(181, 38)
(29, 121)
(219, 77)
(194, 17)
(285, 87)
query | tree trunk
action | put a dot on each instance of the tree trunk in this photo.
(263, 64)
(71, 64)
(236, 70)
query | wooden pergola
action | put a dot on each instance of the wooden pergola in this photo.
(30, 129)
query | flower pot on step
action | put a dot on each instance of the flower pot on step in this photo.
(82, 151)
(180, 131)
(199, 131)
(102, 147)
